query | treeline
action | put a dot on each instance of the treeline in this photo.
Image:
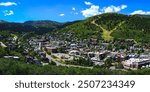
(13, 67)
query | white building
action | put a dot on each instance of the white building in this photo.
(135, 63)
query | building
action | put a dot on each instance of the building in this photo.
(74, 53)
(52, 49)
(135, 63)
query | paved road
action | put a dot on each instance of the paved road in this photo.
(60, 64)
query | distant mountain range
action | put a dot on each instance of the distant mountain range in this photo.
(107, 26)
(40, 26)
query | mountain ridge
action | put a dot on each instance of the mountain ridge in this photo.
(40, 26)
(110, 26)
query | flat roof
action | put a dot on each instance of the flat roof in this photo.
(135, 60)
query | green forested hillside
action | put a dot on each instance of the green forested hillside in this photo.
(12, 67)
(110, 26)
(135, 27)
(83, 29)
(107, 26)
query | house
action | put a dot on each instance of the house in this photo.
(95, 59)
(73, 46)
(74, 53)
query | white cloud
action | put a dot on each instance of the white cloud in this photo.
(62, 14)
(93, 10)
(113, 8)
(123, 6)
(73, 9)
(88, 3)
(8, 12)
(8, 3)
(141, 12)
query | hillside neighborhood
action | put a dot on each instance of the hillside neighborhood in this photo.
(63, 50)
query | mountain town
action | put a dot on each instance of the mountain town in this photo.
(110, 43)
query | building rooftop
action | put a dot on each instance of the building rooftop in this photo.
(136, 60)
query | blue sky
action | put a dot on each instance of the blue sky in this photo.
(67, 10)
